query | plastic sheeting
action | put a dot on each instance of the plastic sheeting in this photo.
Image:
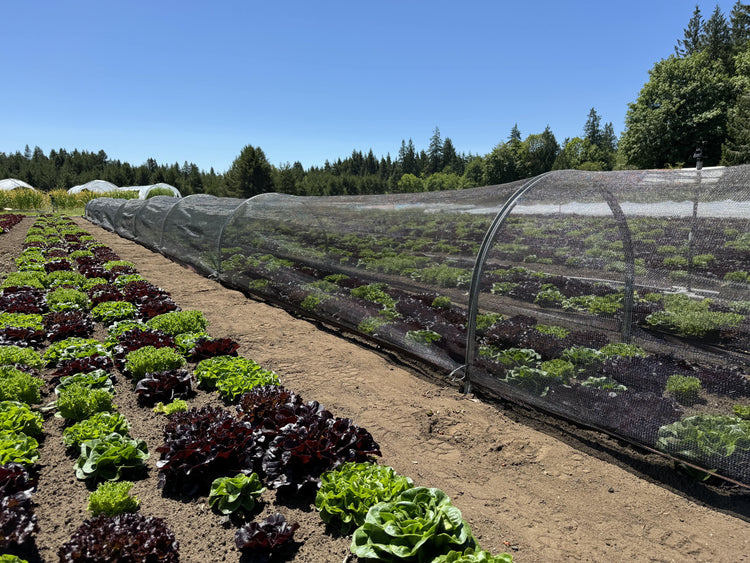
(12, 184)
(98, 186)
(618, 300)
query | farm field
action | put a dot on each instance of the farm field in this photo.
(524, 487)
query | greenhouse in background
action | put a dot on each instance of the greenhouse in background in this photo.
(617, 300)
(12, 184)
(102, 186)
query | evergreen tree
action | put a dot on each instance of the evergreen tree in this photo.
(717, 39)
(692, 42)
(250, 173)
(736, 149)
(434, 153)
(592, 129)
(739, 21)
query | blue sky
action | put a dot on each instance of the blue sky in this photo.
(310, 81)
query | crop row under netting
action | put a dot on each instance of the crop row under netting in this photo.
(618, 300)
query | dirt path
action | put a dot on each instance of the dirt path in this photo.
(522, 490)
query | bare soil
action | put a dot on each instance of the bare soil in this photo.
(528, 484)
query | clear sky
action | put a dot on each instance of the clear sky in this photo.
(309, 81)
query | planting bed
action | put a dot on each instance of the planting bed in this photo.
(524, 486)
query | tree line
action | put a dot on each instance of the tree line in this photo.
(700, 93)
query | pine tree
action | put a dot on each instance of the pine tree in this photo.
(717, 39)
(736, 149)
(435, 153)
(692, 42)
(739, 21)
(592, 129)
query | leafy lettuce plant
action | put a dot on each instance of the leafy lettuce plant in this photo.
(73, 347)
(18, 355)
(67, 299)
(125, 537)
(418, 525)
(473, 556)
(18, 417)
(708, 438)
(178, 405)
(18, 522)
(109, 456)
(177, 322)
(266, 537)
(210, 371)
(17, 385)
(17, 447)
(94, 379)
(97, 426)
(109, 312)
(149, 360)
(348, 492)
(78, 401)
(232, 494)
(112, 498)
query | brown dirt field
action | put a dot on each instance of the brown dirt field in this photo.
(529, 485)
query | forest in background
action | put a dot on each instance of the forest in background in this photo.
(700, 93)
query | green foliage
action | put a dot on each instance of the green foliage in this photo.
(97, 426)
(531, 379)
(443, 275)
(237, 370)
(558, 368)
(64, 277)
(623, 350)
(17, 355)
(553, 330)
(347, 493)
(549, 296)
(684, 388)
(150, 360)
(109, 456)
(472, 556)
(17, 447)
(115, 263)
(442, 302)
(486, 320)
(582, 358)
(112, 498)
(375, 293)
(739, 276)
(178, 405)
(423, 336)
(124, 279)
(605, 383)
(73, 347)
(187, 340)
(178, 322)
(706, 437)
(741, 411)
(232, 494)
(8, 558)
(95, 379)
(66, 299)
(109, 312)
(691, 318)
(78, 402)
(370, 325)
(18, 417)
(33, 279)
(21, 320)
(17, 385)
(512, 357)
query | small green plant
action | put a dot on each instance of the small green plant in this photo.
(684, 388)
(370, 325)
(95, 379)
(178, 322)
(424, 336)
(210, 371)
(67, 299)
(124, 279)
(559, 369)
(232, 494)
(553, 330)
(150, 360)
(348, 492)
(109, 312)
(17, 385)
(187, 340)
(109, 456)
(442, 302)
(486, 320)
(112, 498)
(21, 320)
(18, 417)
(605, 383)
(232, 386)
(17, 447)
(23, 356)
(623, 350)
(99, 425)
(115, 263)
(178, 405)
(417, 525)
(35, 279)
(65, 277)
(78, 402)
(741, 411)
(72, 348)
